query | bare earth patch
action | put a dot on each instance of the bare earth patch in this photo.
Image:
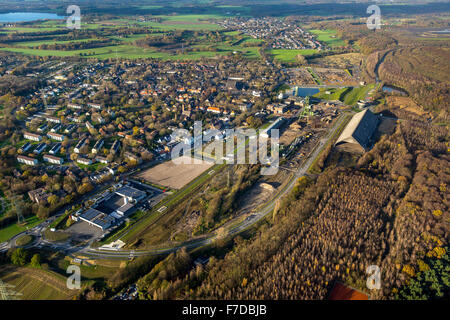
(175, 176)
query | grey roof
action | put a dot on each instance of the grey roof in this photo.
(130, 192)
(90, 214)
(125, 208)
(104, 221)
(98, 218)
(360, 129)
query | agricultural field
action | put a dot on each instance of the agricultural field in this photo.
(36, 284)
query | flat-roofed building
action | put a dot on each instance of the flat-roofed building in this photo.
(357, 135)
(32, 136)
(53, 159)
(97, 219)
(131, 194)
(27, 160)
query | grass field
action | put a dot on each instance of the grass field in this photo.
(329, 37)
(13, 229)
(184, 22)
(348, 95)
(289, 56)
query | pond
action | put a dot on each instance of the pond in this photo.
(304, 92)
(27, 16)
(392, 89)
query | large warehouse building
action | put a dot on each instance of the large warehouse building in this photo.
(357, 135)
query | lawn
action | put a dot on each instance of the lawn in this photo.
(288, 56)
(13, 229)
(329, 37)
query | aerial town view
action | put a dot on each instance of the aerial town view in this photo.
(217, 150)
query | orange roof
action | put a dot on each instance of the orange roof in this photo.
(343, 292)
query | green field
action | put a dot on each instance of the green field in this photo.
(123, 47)
(13, 229)
(133, 52)
(348, 95)
(289, 56)
(184, 22)
(329, 37)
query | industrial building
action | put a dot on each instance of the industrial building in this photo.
(113, 207)
(357, 135)
(275, 125)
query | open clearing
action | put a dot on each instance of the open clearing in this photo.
(174, 176)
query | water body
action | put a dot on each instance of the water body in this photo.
(392, 89)
(27, 16)
(304, 92)
(446, 31)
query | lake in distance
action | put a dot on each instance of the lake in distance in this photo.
(27, 16)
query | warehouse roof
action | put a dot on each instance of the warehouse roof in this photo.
(360, 129)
